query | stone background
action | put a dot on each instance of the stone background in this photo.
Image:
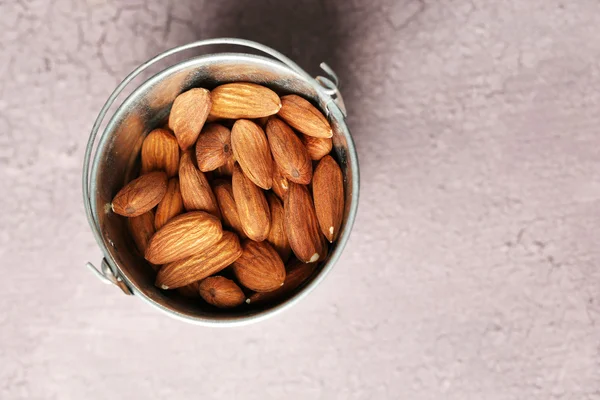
(472, 271)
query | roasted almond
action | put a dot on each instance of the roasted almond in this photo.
(280, 183)
(317, 148)
(191, 291)
(289, 153)
(201, 265)
(251, 151)
(252, 206)
(183, 236)
(303, 116)
(141, 229)
(195, 190)
(188, 115)
(141, 194)
(259, 268)
(243, 100)
(301, 224)
(297, 273)
(221, 292)
(213, 148)
(262, 122)
(225, 169)
(160, 152)
(170, 206)
(231, 219)
(328, 194)
(277, 236)
(325, 252)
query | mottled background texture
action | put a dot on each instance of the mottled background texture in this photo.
(473, 268)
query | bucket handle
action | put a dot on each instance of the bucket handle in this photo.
(328, 85)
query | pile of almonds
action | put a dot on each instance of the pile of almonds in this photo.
(248, 170)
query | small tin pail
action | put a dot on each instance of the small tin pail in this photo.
(112, 156)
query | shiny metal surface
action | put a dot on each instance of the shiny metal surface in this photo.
(115, 159)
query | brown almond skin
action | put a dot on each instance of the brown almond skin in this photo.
(289, 153)
(141, 229)
(317, 148)
(280, 184)
(243, 100)
(195, 190)
(277, 236)
(325, 253)
(201, 265)
(191, 291)
(140, 195)
(183, 236)
(297, 273)
(262, 122)
(328, 194)
(259, 268)
(213, 148)
(301, 224)
(252, 206)
(170, 206)
(251, 150)
(231, 219)
(188, 114)
(303, 116)
(225, 169)
(160, 152)
(221, 292)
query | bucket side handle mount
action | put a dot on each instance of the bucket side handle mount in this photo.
(108, 276)
(331, 86)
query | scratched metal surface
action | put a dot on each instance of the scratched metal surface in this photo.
(473, 269)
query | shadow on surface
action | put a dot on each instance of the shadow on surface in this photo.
(308, 32)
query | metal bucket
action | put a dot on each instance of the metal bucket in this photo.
(115, 159)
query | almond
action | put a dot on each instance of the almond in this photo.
(212, 118)
(170, 206)
(183, 236)
(213, 148)
(297, 273)
(141, 229)
(259, 268)
(243, 100)
(201, 265)
(195, 190)
(301, 224)
(325, 253)
(190, 291)
(140, 195)
(328, 194)
(188, 115)
(277, 236)
(251, 151)
(317, 148)
(280, 183)
(221, 292)
(160, 152)
(262, 122)
(303, 116)
(226, 169)
(224, 194)
(289, 153)
(252, 206)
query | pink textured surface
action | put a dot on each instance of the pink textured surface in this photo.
(473, 269)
